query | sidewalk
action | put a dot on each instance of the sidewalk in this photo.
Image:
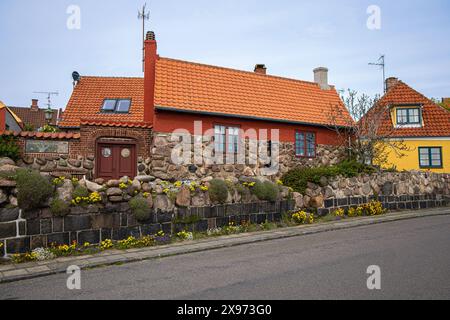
(10, 272)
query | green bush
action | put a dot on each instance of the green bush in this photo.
(9, 147)
(80, 192)
(218, 191)
(298, 178)
(140, 208)
(33, 189)
(267, 191)
(59, 208)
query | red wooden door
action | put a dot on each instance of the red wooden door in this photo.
(116, 160)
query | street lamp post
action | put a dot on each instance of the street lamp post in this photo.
(48, 115)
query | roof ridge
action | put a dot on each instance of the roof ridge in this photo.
(110, 77)
(241, 71)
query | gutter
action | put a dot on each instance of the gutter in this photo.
(220, 114)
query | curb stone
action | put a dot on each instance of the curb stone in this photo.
(12, 273)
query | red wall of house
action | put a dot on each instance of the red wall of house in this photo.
(167, 121)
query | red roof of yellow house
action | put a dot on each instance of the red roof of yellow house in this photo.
(436, 120)
(193, 87)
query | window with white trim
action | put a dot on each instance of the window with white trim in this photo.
(430, 157)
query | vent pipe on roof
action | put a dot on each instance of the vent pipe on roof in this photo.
(321, 78)
(261, 68)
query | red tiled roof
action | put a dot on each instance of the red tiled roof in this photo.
(194, 87)
(42, 135)
(436, 119)
(202, 88)
(122, 124)
(36, 118)
(88, 96)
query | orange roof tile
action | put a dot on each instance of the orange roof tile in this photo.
(194, 87)
(436, 119)
(88, 96)
(42, 135)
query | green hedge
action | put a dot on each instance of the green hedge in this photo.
(298, 178)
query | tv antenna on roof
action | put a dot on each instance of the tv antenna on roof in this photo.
(381, 63)
(49, 96)
(143, 15)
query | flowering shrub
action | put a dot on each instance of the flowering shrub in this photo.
(92, 198)
(23, 258)
(64, 249)
(339, 213)
(185, 235)
(303, 217)
(232, 228)
(374, 208)
(123, 185)
(249, 184)
(214, 232)
(106, 244)
(43, 254)
(58, 181)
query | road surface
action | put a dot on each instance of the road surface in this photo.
(414, 257)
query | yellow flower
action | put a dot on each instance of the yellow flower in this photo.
(178, 184)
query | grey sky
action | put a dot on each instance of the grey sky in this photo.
(39, 53)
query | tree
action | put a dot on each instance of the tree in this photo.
(443, 103)
(366, 134)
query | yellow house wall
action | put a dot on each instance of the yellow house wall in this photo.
(411, 159)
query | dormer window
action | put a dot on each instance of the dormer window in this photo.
(408, 116)
(116, 106)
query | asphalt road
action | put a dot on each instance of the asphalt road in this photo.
(414, 257)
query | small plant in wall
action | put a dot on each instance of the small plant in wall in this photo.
(140, 208)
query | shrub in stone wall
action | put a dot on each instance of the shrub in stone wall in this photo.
(33, 189)
(140, 208)
(266, 191)
(59, 208)
(218, 191)
(298, 178)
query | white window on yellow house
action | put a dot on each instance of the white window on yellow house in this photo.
(430, 157)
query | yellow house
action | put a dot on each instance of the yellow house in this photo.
(418, 124)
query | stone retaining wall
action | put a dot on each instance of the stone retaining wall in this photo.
(21, 232)
(391, 188)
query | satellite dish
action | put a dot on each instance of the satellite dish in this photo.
(75, 76)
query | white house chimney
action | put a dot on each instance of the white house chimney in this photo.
(321, 78)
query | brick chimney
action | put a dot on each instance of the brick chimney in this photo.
(150, 47)
(261, 68)
(321, 78)
(390, 82)
(34, 105)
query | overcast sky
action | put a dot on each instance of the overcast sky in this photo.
(292, 37)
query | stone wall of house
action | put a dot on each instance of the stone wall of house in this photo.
(163, 167)
(59, 165)
(396, 190)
